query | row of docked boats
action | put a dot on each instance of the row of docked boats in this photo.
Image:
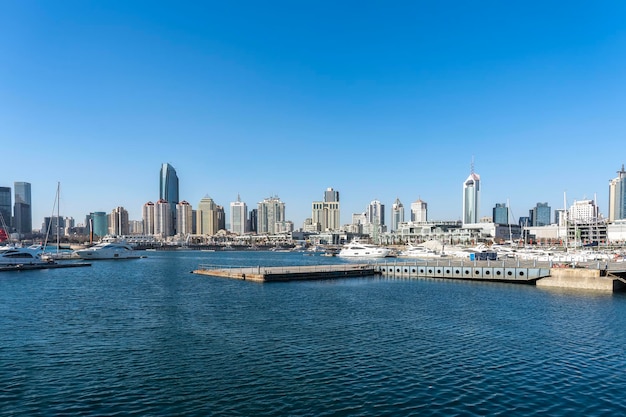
(12, 255)
(435, 250)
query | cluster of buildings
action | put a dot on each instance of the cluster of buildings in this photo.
(172, 219)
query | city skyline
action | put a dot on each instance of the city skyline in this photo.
(252, 100)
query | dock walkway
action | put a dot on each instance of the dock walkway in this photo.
(289, 273)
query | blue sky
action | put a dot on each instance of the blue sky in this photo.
(376, 99)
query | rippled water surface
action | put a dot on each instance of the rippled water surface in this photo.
(146, 337)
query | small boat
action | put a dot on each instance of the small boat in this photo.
(363, 250)
(31, 255)
(109, 250)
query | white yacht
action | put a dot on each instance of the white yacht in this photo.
(363, 250)
(108, 250)
(420, 252)
(31, 255)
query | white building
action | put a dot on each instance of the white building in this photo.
(270, 212)
(184, 218)
(419, 211)
(397, 214)
(471, 198)
(238, 216)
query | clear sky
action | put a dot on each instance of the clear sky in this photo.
(376, 99)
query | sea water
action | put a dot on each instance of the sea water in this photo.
(147, 337)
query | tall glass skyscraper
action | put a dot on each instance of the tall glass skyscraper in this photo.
(168, 189)
(540, 214)
(5, 206)
(22, 210)
(471, 198)
(617, 196)
(501, 214)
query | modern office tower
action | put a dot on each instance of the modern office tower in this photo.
(270, 211)
(53, 226)
(253, 221)
(163, 219)
(326, 213)
(583, 211)
(559, 217)
(540, 214)
(100, 224)
(397, 214)
(22, 209)
(147, 217)
(375, 213)
(501, 214)
(617, 196)
(5, 207)
(221, 218)
(168, 191)
(238, 216)
(118, 222)
(419, 211)
(206, 217)
(184, 218)
(471, 198)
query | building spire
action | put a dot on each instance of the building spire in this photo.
(472, 165)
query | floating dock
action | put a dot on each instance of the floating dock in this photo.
(594, 276)
(30, 267)
(289, 273)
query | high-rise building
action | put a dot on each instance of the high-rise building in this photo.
(583, 211)
(471, 198)
(168, 191)
(540, 214)
(326, 213)
(163, 219)
(331, 196)
(617, 196)
(184, 218)
(118, 222)
(5, 207)
(53, 226)
(147, 217)
(501, 214)
(238, 216)
(221, 218)
(99, 224)
(207, 217)
(419, 211)
(253, 221)
(270, 211)
(375, 213)
(397, 214)
(22, 209)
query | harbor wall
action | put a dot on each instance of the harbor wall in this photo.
(578, 278)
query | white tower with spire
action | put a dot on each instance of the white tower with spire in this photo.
(471, 197)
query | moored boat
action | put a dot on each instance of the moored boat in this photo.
(109, 250)
(363, 250)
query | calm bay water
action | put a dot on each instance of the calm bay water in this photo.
(146, 337)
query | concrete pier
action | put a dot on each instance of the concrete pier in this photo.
(289, 273)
